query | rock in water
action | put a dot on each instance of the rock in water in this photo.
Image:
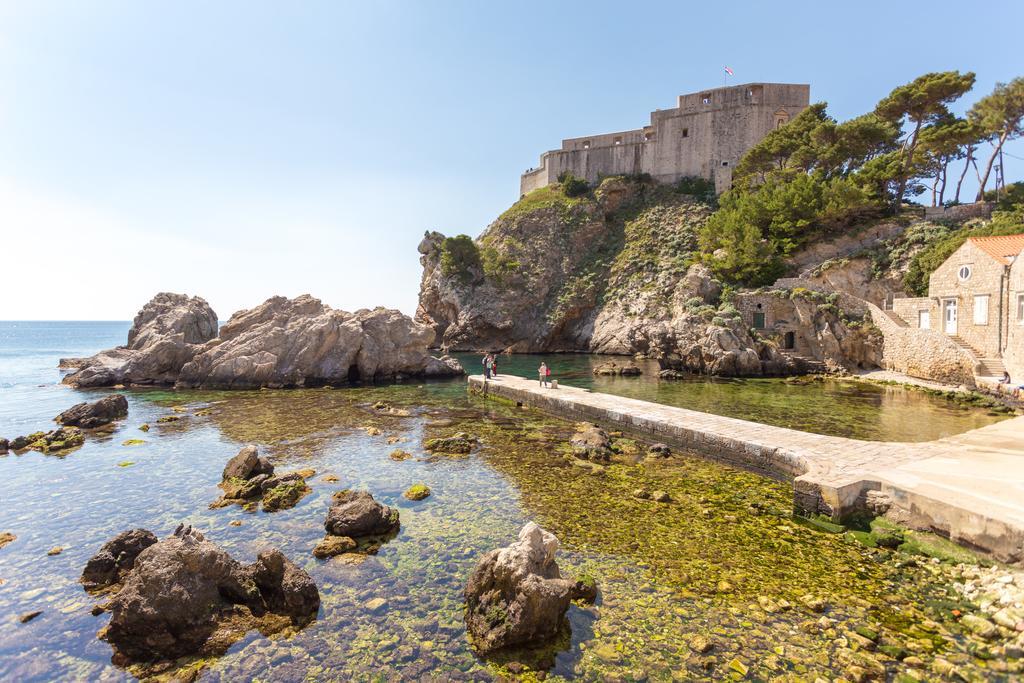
(185, 596)
(95, 414)
(115, 558)
(516, 595)
(165, 335)
(357, 514)
(590, 442)
(301, 342)
(247, 464)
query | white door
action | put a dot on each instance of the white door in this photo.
(950, 308)
(924, 319)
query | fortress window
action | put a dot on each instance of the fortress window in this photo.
(725, 163)
(648, 137)
(706, 99)
(586, 144)
(618, 140)
(686, 132)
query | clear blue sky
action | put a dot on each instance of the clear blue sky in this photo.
(238, 150)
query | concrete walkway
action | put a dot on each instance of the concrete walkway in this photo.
(968, 487)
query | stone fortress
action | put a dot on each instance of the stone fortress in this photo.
(704, 135)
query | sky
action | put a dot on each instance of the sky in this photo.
(238, 150)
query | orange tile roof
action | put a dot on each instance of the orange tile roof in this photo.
(1002, 248)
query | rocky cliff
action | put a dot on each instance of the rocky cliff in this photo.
(612, 271)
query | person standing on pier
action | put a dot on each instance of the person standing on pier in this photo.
(487, 366)
(543, 372)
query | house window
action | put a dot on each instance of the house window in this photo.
(981, 309)
(618, 140)
(924, 320)
(964, 273)
(686, 132)
(758, 320)
(586, 144)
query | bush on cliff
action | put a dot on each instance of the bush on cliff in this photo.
(573, 186)
(460, 258)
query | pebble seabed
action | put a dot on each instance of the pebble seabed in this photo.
(722, 582)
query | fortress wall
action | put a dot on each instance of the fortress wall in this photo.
(698, 138)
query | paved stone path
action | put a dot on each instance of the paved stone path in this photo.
(969, 487)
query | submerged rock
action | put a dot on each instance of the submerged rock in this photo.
(115, 559)
(460, 443)
(516, 595)
(6, 537)
(165, 335)
(301, 342)
(590, 442)
(334, 545)
(611, 368)
(95, 414)
(417, 492)
(186, 596)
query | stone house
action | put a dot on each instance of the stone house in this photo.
(976, 299)
(703, 136)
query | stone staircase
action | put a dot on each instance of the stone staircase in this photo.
(895, 318)
(983, 367)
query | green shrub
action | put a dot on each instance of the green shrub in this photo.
(460, 258)
(695, 186)
(573, 186)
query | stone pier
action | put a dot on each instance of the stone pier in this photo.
(969, 488)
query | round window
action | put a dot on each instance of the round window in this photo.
(964, 273)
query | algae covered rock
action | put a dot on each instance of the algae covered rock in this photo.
(185, 595)
(117, 557)
(248, 477)
(459, 443)
(53, 442)
(516, 595)
(417, 492)
(590, 442)
(334, 545)
(95, 414)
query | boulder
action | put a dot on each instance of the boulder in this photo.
(356, 514)
(95, 414)
(334, 545)
(302, 342)
(247, 464)
(590, 442)
(186, 596)
(165, 335)
(516, 595)
(115, 559)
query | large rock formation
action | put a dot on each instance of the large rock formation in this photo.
(95, 414)
(612, 272)
(164, 336)
(516, 595)
(185, 595)
(280, 343)
(301, 342)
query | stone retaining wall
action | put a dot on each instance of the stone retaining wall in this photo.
(922, 353)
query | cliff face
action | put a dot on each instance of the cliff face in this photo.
(612, 271)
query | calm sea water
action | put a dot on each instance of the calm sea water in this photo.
(660, 567)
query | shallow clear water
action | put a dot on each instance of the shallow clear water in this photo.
(667, 572)
(851, 408)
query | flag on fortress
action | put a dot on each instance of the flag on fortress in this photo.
(728, 71)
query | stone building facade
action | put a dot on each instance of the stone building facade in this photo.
(703, 136)
(976, 298)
